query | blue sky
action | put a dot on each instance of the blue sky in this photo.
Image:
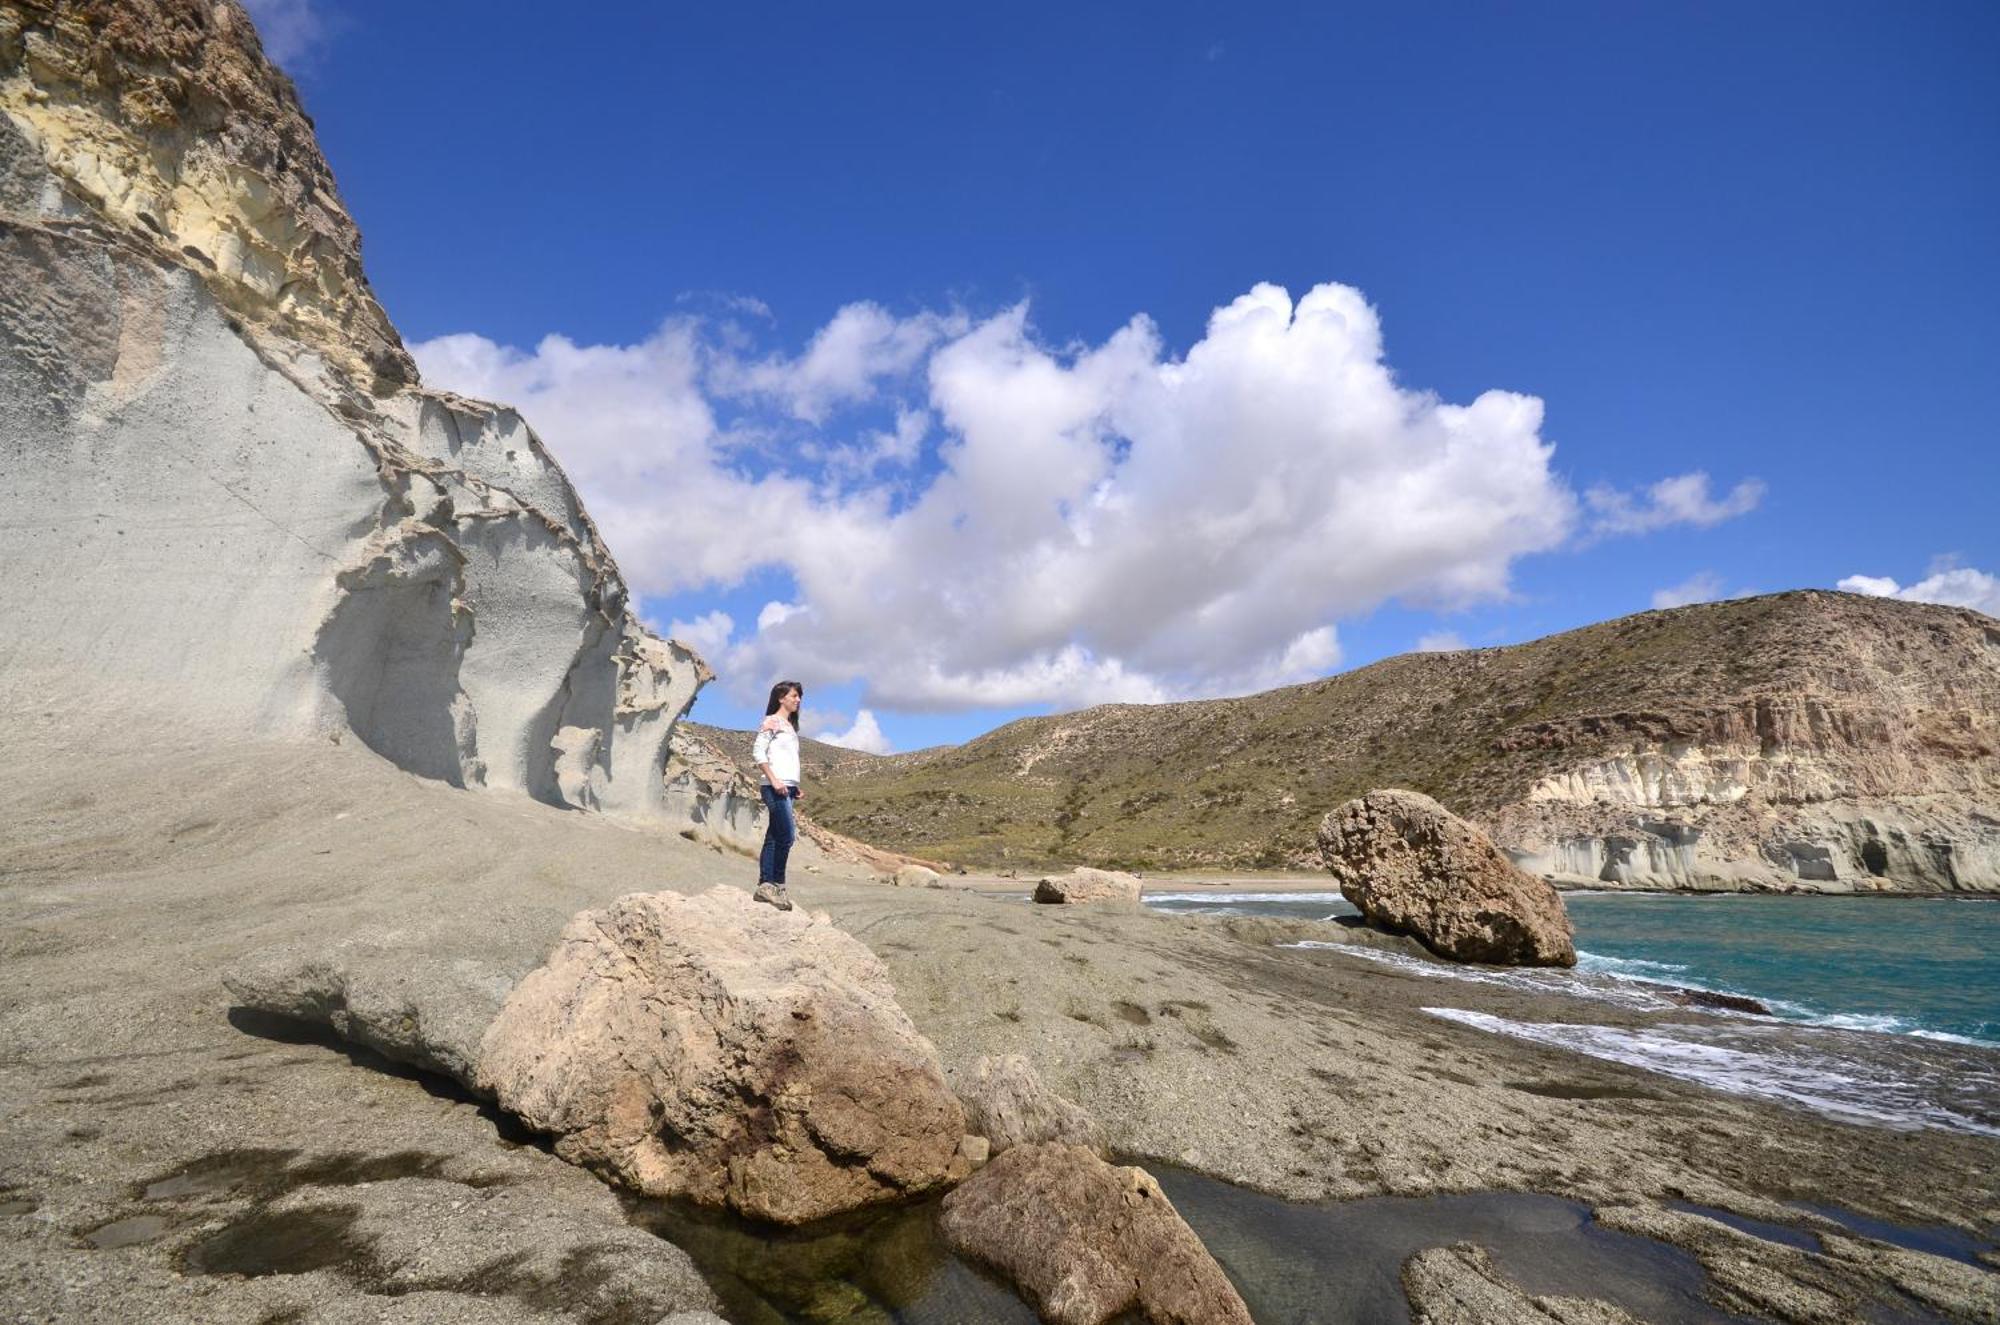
(899, 318)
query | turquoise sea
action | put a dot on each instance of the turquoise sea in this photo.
(1910, 965)
(1885, 1010)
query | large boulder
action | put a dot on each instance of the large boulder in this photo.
(1413, 866)
(1084, 884)
(917, 876)
(1006, 1102)
(1085, 1241)
(731, 1054)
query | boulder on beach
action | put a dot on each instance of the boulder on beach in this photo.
(1084, 884)
(1085, 1241)
(731, 1054)
(1413, 866)
(1006, 1102)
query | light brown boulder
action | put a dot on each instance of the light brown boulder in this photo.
(735, 1055)
(1085, 1241)
(1413, 866)
(1084, 884)
(917, 876)
(1006, 1102)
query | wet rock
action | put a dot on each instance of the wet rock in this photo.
(1006, 1102)
(1085, 1241)
(1458, 1285)
(709, 1048)
(1413, 866)
(1709, 998)
(1088, 885)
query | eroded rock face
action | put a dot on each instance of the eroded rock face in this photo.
(286, 534)
(165, 117)
(1413, 866)
(1085, 1241)
(709, 1048)
(1085, 884)
(1006, 1102)
(707, 790)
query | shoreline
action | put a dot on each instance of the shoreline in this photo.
(1301, 882)
(134, 878)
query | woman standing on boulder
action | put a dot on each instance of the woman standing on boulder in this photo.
(776, 754)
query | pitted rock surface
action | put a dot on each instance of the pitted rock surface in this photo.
(1006, 1102)
(1458, 1285)
(1413, 866)
(709, 1048)
(1085, 1241)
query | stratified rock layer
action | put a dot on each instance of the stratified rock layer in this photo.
(1804, 741)
(707, 791)
(1413, 866)
(1086, 1241)
(709, 1048)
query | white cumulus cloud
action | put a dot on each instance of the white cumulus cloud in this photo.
(288, 30)
(1955, 586)
(1441, 641)
(864, 734)
(1701, 587)
(1682, 499)
(1043, 524)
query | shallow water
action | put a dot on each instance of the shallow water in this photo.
(1341, 1262)
(1869, 994)
(887, 1267)
(1906, 965)
(1293, 1262)
(1922, 966)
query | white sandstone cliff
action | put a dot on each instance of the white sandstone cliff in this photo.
(229, 507)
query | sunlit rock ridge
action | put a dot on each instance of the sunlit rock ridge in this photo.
(230, 508)
(1809, 741)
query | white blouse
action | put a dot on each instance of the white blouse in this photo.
(779, 749)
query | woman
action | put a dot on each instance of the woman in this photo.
(776, 754)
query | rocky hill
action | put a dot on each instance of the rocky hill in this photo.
(230, 508)
(1807, 739)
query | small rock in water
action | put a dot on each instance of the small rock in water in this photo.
(1086, 1242)
(1709, 998)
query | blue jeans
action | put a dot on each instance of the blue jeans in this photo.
(780, 831)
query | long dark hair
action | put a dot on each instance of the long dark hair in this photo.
(778, 692)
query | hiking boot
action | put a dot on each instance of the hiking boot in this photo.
(773, 895)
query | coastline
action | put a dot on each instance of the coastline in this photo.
(132, 880)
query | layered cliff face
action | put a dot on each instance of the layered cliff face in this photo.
(1806, 740)
(230, 507)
